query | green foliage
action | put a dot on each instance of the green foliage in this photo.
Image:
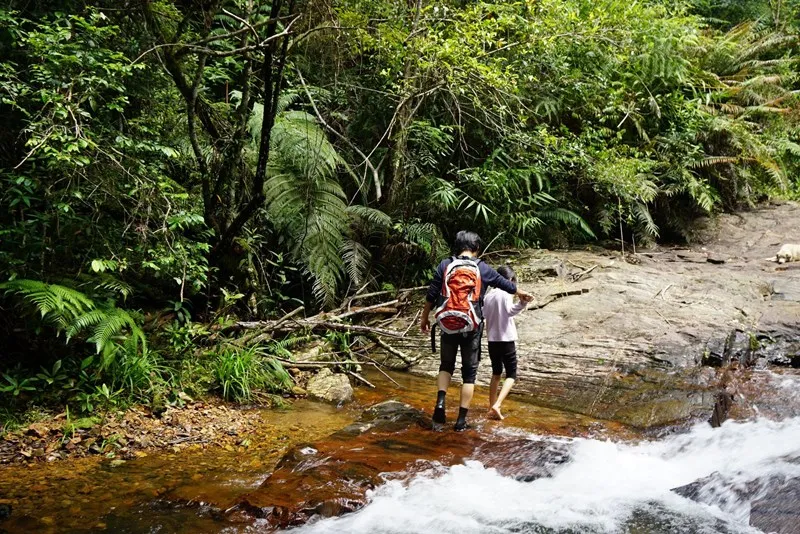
(304, 198)
(73, 313)
(16, 384)
(136, 171)
(53, 377)
(243, 372)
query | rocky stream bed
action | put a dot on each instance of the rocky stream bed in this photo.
(624, 361)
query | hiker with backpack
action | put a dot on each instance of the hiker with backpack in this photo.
(457, 289)
(501, 332)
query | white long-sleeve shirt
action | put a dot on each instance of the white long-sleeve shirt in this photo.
(499, 311)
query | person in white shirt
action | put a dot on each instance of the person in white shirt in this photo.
(498, 312)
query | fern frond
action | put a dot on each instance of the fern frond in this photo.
(112, 325)
(642, 214)
(85, 321)
(56, 304)
(714, 160)
(568, 217)
(373, 216)
(356, 260)
(111, 283)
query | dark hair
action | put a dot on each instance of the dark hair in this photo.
(466, 241)
(507, 272)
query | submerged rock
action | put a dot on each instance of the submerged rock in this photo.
(777, 511)
(389, 416)
(330, 387)
(772, 501)
(332, 477)
(391, 441)
(524, 459)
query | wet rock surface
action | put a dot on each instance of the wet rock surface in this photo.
(769, 504)
(523, 459)
(391, 440)
(330, 387)
(777, 511)
(629, 340)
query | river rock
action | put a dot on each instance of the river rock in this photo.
(330, 387)
(523, 459)
(332, 477)
(626, 341)
(389, 416)
(315, 352)
(777, 510)
(772, 500)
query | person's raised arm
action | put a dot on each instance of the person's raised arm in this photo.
(513, 309)
(494, 279)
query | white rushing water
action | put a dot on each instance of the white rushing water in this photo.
(605, 487)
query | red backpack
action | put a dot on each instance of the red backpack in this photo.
(459, 309)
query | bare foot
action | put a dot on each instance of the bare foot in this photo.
(494, 413)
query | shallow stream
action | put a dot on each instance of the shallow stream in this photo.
(614, 478)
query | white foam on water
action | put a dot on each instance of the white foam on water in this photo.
(598, 490)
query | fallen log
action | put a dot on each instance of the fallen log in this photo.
(290, 315)
(393, 351)
(311, 324)
(374, 308)
(385, 292)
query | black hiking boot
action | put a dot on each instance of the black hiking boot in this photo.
(439, 416)
(461, 423)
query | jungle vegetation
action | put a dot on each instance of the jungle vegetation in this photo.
(170, 165)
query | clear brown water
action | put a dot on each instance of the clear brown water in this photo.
(170, 491)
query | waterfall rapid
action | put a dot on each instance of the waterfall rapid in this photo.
(604, 487)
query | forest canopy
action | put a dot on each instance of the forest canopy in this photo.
(240, 157)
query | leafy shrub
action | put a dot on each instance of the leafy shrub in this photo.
(242, 372)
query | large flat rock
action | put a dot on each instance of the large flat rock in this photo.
(629, 347)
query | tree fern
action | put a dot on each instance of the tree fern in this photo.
(372, 216)
(305, 200)
(356, 260)
(73, 313)
(58, 305)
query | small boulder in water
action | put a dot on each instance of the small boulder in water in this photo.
(330, 387)
(524, 459)
(772, 500)
(388, 416)
(777, 511)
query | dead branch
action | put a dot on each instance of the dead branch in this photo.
(379, 293)
(289, 315)
(556, 296)
(412, 323)
(377, 366)
(361, 379)
(314, 363)
(314, 324)
(366, 309)
(662, 291)
(577, 277)
(393, 351)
